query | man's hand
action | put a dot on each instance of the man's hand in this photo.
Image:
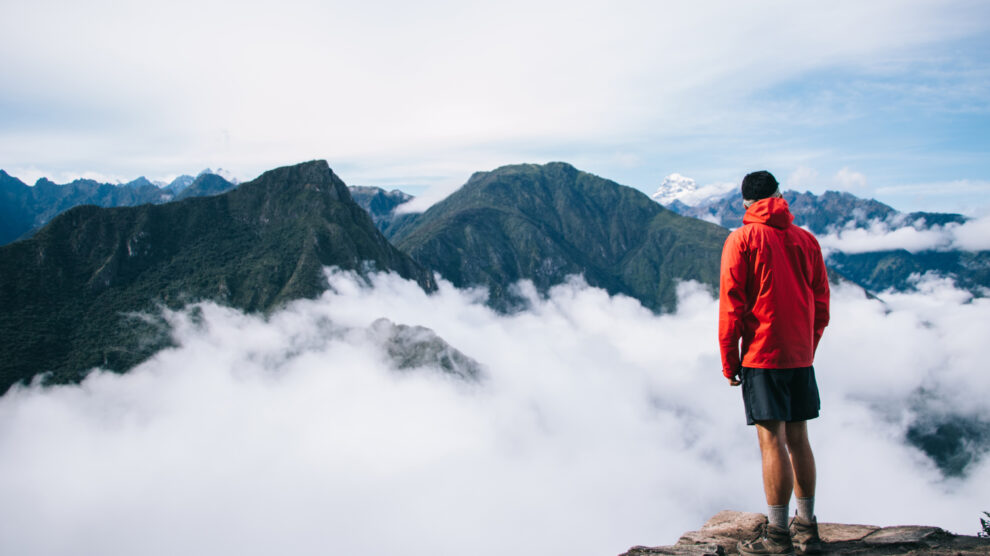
(734, 381)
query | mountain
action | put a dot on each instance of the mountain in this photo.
(25, 209)
(543, 223)
(206, 185)
(381, 205)
(876, 271)
(411, 347)
(140, 182)
(177, 185)
(15, 215)
(677, 191)
(78, 293)
(229, 176)
(898, 269)
(831, 211)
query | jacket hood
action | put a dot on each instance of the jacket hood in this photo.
(772, 211)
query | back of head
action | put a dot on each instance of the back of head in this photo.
(759, 185)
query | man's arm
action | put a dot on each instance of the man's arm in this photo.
(820, 288)
(731, 306)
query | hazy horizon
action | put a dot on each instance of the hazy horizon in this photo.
(884, 99)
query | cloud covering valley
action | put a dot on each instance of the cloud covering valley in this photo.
(595, 425)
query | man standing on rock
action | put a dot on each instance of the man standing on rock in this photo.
(774, 296)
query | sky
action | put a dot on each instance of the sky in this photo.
(595, 426)
(886, 99)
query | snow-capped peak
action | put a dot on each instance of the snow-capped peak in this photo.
(673, 188)
(676, 187)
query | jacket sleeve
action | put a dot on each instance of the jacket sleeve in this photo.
(821, 292)
(731, 304)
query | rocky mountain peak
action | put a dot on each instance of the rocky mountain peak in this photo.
(139, 182)
(314, 175)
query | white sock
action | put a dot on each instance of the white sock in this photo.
(778, 515)
(806, 508)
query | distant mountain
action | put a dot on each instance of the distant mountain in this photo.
(206, 185)
(71, 295)
(544, 223)
(876, 271)
(179, 184)
(381, 205)
(141, 182)
(229, 176)
(677, 191)
(25, 209)
(833, 210)
(884, 270)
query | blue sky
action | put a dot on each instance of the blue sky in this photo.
(889, 99)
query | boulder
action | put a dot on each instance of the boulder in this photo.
(720, 534)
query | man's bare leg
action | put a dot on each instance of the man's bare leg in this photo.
(778, 476)
(803, 465)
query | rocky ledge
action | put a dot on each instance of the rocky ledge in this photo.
(721, 533)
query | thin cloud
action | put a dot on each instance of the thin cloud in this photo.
(847, 179)
(598, 425)
(359, 84)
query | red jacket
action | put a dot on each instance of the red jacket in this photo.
(773, 292)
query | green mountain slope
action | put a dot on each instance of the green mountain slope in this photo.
(544, 223)
(66, 293)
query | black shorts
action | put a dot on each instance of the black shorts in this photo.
(780, 394)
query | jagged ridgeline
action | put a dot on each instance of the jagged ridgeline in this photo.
(23, 209)
(70, 294)
(546, 222)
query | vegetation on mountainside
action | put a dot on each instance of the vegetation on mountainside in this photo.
(543, 223)
(71, 292)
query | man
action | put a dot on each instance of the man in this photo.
(774, 297)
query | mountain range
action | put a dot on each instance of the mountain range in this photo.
(822, 214)
(835, 212)
(24, 209)
(85, 290)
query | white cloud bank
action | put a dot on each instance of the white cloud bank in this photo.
(973, 235)
(598, 426)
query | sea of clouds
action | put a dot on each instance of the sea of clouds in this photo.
(596, 426)
(880, 235)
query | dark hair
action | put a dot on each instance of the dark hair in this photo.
(758, 185)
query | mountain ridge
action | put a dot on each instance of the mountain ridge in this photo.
(546, 222)
(66, 290)
(24, 209)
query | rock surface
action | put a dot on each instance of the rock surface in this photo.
(721, 533)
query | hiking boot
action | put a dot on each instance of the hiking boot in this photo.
(804, 533)
(772, 540)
